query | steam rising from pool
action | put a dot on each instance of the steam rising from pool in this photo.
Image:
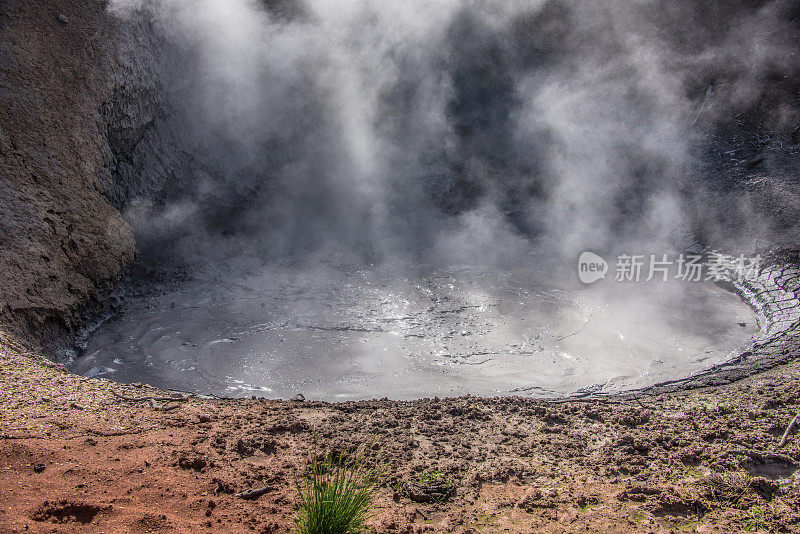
(388, 197)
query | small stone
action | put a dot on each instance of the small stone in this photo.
(63, 18)
(38, 468)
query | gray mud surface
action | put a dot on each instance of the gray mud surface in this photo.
(381, 332)
(773, 296)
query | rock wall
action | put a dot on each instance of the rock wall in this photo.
(142, 131)
(79, 111)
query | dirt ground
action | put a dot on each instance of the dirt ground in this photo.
(75, 456)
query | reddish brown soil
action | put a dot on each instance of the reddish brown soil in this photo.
(75, 457)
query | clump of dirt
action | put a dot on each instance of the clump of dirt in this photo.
(430, 487)
(66, 511)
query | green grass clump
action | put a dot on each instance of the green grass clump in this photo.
(336, 494)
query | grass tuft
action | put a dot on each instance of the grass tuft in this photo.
(336, 494)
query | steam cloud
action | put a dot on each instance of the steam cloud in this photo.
(450, 131)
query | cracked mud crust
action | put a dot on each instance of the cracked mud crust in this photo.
(774, 296)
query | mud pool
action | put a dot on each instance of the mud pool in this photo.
(382, 333)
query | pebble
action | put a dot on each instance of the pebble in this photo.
(63, 18)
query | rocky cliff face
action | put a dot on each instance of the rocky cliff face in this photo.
(80, 117)
(141, 131)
